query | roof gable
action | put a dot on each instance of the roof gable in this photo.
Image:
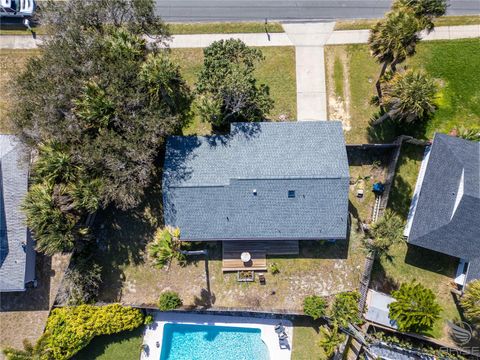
(447, 214)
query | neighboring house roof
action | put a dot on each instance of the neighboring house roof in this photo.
(445, 211)
(13, 231)
(209, 182)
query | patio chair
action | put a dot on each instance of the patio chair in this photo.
(284, 344)
(282, 336)
(279, 328)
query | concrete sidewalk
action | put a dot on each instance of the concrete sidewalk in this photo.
(309, 40)
(440, 33)
(298, 37)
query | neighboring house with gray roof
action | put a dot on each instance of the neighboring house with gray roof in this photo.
(445, 211)
(263, 181)
(17, 257)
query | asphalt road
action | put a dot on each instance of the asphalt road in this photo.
(243, 10)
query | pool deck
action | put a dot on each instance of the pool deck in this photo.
(154, 332)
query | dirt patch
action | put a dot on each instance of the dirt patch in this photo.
(338, 103)
(23, 314)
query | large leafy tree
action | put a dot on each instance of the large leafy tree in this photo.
(408, 96)
(470, 302)
(415, 309)
(106, 98)
(392, 40)
(227, 85)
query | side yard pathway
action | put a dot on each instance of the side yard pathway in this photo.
(308, 39)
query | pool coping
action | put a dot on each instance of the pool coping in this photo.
(154, 332)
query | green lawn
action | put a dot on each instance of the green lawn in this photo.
(277, 71)
(121, 346)
(453, 63)
(362, 24)
(305, 340)
(188, 28)
(7, 71)
(225, 28)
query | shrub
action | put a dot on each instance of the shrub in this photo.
(470, 302)
(71, 328)
(314, 306)
(148, 320)
(345, 308)
(274, 269)
(169, 300)
(415, 309)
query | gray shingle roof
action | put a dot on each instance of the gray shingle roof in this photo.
(447, 214)
(209, 182)
(13, 232)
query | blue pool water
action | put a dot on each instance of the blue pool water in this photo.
(206, 342)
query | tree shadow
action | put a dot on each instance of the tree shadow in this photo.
(430, 260)
(380, 281)
(98, 346)
(358, 156)
(389, 130)
(400, 197)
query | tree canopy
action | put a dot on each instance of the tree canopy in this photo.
(385, 233)
(408, 96)
(345, 308)
(96, 105)
(227, 85)
(415, 309)
(425, 10)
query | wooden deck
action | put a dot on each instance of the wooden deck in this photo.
(258, 250)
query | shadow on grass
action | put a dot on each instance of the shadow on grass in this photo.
(122, 237)
(430, 260)
(389, 130)
(121, 346)
(382, 282)
(405, 179)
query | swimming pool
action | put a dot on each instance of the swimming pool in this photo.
(208, 342)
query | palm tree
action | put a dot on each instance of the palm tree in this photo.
(425, 10)
(54, 164)
(385, 233)
(392, 40)
(166, 246)
(54, 230)
(330, 339)
(470, 302)
(408, 96)
(468, 134)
